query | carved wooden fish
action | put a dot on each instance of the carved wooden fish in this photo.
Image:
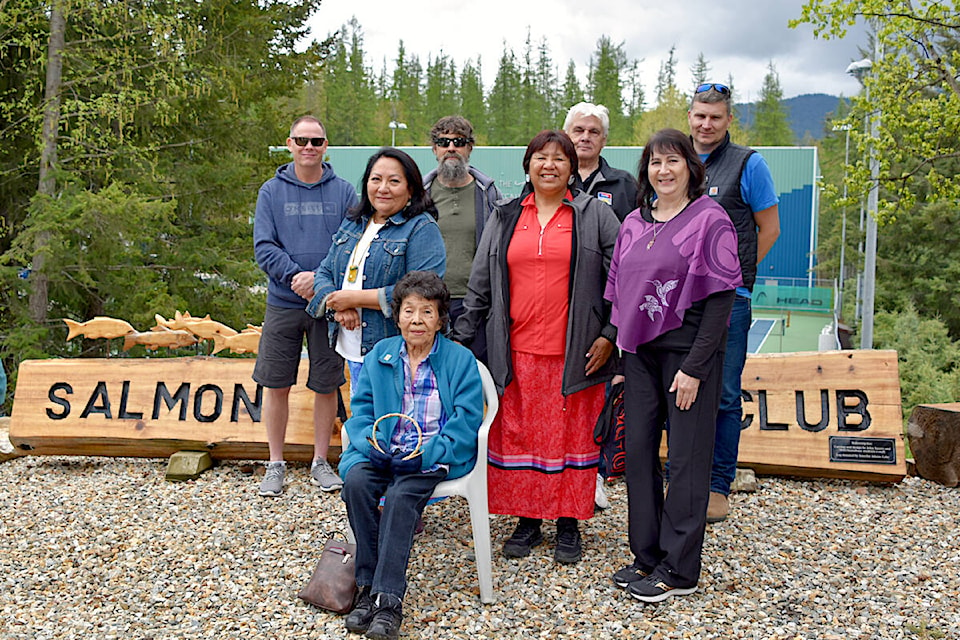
(98, 327)
(207, 329)
(153, 340)
(247, 341)
(204, 328)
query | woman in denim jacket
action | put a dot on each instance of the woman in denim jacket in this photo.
(390, 233)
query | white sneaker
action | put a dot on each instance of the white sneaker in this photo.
(600, 495)
(272, 485)
(322, 475)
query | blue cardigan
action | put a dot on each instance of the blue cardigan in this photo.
(379, 390)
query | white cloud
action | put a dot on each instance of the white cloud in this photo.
(738, 37)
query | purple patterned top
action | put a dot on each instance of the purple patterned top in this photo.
(659, 269)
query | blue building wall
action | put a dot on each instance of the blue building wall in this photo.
(794, 170)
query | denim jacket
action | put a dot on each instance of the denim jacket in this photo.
(402, 245)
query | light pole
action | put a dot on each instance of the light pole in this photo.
(843, 229)
(394, 125)
(859, 69)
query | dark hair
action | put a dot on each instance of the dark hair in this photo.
(428, 286)
(307, 118)
(666, 141)
(457, 125)
(544, 138)
(419, 198)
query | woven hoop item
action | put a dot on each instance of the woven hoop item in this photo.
(372, 439)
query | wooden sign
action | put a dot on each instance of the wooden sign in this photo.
(826, 414)
(152, 407)
(823, 414)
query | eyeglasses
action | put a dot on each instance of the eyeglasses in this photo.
(443, 143)
(302, 141)
(720, 88)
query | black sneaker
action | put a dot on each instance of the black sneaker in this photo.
(654, 589)
(387, 618)
(358, 620)
(569, 544)
(630, 574)
(526, 536)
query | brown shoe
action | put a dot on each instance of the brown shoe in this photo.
(718, 508)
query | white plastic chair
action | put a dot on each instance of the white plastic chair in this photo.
(473, 487)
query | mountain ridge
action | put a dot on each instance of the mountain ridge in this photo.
(806, 113)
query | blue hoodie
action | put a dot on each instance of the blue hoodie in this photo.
(293, 226)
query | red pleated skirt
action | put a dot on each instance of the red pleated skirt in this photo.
(543, 461)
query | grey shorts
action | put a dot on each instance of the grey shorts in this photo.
(281, 345)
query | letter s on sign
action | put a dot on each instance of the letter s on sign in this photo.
(63, 402)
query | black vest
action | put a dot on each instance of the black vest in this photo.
(724, 169)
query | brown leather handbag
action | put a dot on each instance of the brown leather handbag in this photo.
(333, 585)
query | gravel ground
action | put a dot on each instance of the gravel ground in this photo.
(100, 548)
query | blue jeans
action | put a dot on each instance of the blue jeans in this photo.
(384, 539)
(354, 368)
(727, 443)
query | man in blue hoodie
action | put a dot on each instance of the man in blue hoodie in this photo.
(298, 211)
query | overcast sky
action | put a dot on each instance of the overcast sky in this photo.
(738, 37)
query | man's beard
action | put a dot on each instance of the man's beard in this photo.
(452, 169)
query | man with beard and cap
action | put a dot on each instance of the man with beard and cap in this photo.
(464, 198)
(588, 125)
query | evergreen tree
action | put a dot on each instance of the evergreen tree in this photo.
(156, 134)
(505, 117)
(406, 98)
(572, 93)
(605, 85)
(531, 103)
(348, 98)
(546, 77)
(472, 103)
(771, 126)
(700, 71)
(441, 93)
(634, 106)
(671, 109)
(666, 78)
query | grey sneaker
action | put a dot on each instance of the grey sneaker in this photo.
(272, 484)
(323, 476)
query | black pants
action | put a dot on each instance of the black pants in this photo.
(666, 534)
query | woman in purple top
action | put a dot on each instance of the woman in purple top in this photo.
(672, 282)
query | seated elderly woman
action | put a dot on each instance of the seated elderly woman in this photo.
(435, 381)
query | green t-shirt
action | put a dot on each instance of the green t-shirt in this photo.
(458, 222)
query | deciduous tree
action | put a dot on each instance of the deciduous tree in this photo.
(914, 88)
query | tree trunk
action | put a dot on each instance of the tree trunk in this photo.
(48, 156)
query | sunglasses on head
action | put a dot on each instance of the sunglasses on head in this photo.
(443, 143)
(720, 88)
(303, 140)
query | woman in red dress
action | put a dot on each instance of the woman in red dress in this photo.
(538, 279)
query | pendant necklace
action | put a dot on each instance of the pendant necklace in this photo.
(657, 230)
(354, 269)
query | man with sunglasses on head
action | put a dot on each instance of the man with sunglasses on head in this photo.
(464, 198)
(588, 125)
(739, 179)
(298, 211)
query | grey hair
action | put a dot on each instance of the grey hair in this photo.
(587, 109)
